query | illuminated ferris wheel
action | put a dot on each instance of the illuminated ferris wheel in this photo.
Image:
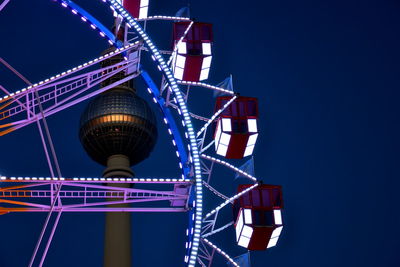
(118, 130)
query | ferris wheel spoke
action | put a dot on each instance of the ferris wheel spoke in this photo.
(230, 166)
(220, 251)
(216, 115)
(55, 189)
(186, 95)
(45, 224)
(207, 225)
(203, 249)
(49, 141)
(50, 239)
(5, 63)
(45, 148)
(210, 173)
(208, 86)
(198, 117)
(158, 17)
(207, 147)
(229, 200)
(3, 4)
(164, 52)
(205, 169)
(210, 223)
(199, 260)
(205, 255)
(195, 116)
(217, 193)
(218, 230)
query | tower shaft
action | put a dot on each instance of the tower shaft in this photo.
(117, 243)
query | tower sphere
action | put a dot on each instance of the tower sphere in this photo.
(118, 122)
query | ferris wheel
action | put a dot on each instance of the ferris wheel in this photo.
(219, 137)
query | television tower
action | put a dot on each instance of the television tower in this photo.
(118, 130)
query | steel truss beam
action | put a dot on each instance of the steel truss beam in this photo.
(21, 108)
(172, 18)
(61, 209)
(3, 4)
(219, 251)
(89, 197)
(54, 196)
(59, 96)
(48, 180)
(205, 257)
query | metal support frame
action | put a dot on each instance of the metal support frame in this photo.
(193, 115)
(54, 197)
(219, 251)
(208, 86)
(5, 2)
(159, 17)
(205, 257)
(229, 166)
(89, 197)
(57, 96)
(209, 224)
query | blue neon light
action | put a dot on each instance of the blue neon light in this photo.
(167, 113)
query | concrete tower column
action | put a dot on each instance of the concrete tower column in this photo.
(117, 245)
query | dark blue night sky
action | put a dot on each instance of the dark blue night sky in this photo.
(326, 74)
